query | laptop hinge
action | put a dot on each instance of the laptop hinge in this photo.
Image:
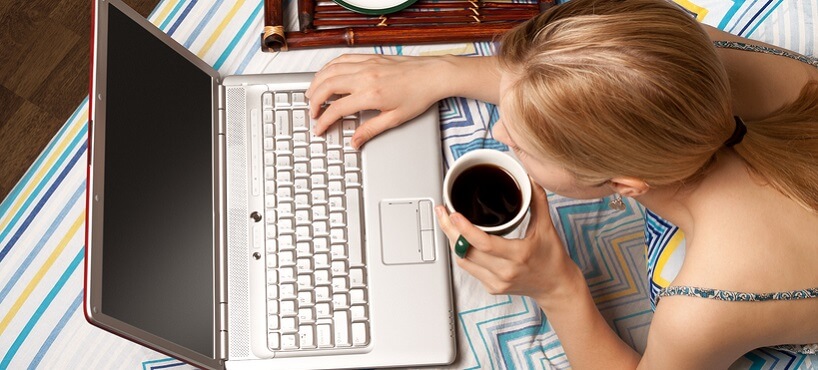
(220, 110)
(223, 331)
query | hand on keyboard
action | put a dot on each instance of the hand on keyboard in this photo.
(400, 87)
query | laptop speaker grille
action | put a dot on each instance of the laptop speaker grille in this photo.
(237, 235)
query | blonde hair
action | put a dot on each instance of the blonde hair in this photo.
(635, 88)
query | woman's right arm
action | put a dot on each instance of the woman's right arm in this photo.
(400, 87)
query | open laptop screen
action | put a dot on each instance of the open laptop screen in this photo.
(158, 263)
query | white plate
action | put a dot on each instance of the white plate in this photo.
(375, 7)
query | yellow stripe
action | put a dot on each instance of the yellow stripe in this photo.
(670, 249)
(78, 223)
(699, 11)
(616, 244)
(55, 154)
(220, 29)
(160, 17)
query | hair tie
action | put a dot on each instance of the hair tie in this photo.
(738, 133)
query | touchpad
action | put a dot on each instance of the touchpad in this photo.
(407, 231)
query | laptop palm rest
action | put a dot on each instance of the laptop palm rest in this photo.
(407, 231)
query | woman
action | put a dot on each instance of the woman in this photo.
(636, 99)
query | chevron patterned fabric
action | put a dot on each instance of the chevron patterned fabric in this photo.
(42, 219)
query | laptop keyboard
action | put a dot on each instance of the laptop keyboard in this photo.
(316, 276)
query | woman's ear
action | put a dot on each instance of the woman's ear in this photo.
(629, 186)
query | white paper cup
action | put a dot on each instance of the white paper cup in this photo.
(498, 159)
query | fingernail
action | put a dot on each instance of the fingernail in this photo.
(356, 143)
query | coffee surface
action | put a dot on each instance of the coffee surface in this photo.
(486, 195)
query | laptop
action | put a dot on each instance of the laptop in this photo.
(221, 232)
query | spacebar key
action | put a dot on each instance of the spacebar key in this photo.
(355, 226)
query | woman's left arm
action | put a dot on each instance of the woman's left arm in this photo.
(539, 266)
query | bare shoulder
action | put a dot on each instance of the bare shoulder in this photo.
(761, 83)
(695, 333)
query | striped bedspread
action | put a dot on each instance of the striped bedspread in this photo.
(42, 219)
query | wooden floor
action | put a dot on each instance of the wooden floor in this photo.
(44, 49)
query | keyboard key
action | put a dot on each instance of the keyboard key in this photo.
(287, 290)
(286, 258)
(287, 309)
(305, 299)
(357, 312)
(356, 277)
(355, 227)
(289, 341)
(304, 249)
(282, 99)
(351, 161)
(322, 294)
(339, 284)
(334, 157)
(324, 335)
(306, 315)
(338, 251)
(317, 150)
(357, 296)
(320, 228)
(272, 277)
(321, 261)
(272, 322)
(336, 219)
(282, 123)
(333, 137)
(304, 265)
(322, 310)
(335, 188)
(267, 100)
(339, 268)
(272, 291)
(299, 99)
(320, 245)
(340, 301)
(360, 335)
(300, 120)
(322, 277)
(306, 336)
(272, 308)
(304, 283)
(349, 127)
(300, 141)
(273, 341)
(341, 322)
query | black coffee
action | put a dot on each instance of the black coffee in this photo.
(486, 195)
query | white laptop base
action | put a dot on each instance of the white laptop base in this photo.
(385, 308)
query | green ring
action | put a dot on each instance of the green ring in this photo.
(461, 246)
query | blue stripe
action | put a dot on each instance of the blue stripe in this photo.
(40, 204)
(763, 18)
(729, 15)
(181, 17)
(55, 332)
(251, 52)
(39, 312)
(34, 167)
(740, 33)
(31, 255)
(171, 15)
(146, 363)
(200, 27)
(158, 6)
(167, 366)
(226, 53)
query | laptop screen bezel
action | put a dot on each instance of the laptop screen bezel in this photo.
(96, 190)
